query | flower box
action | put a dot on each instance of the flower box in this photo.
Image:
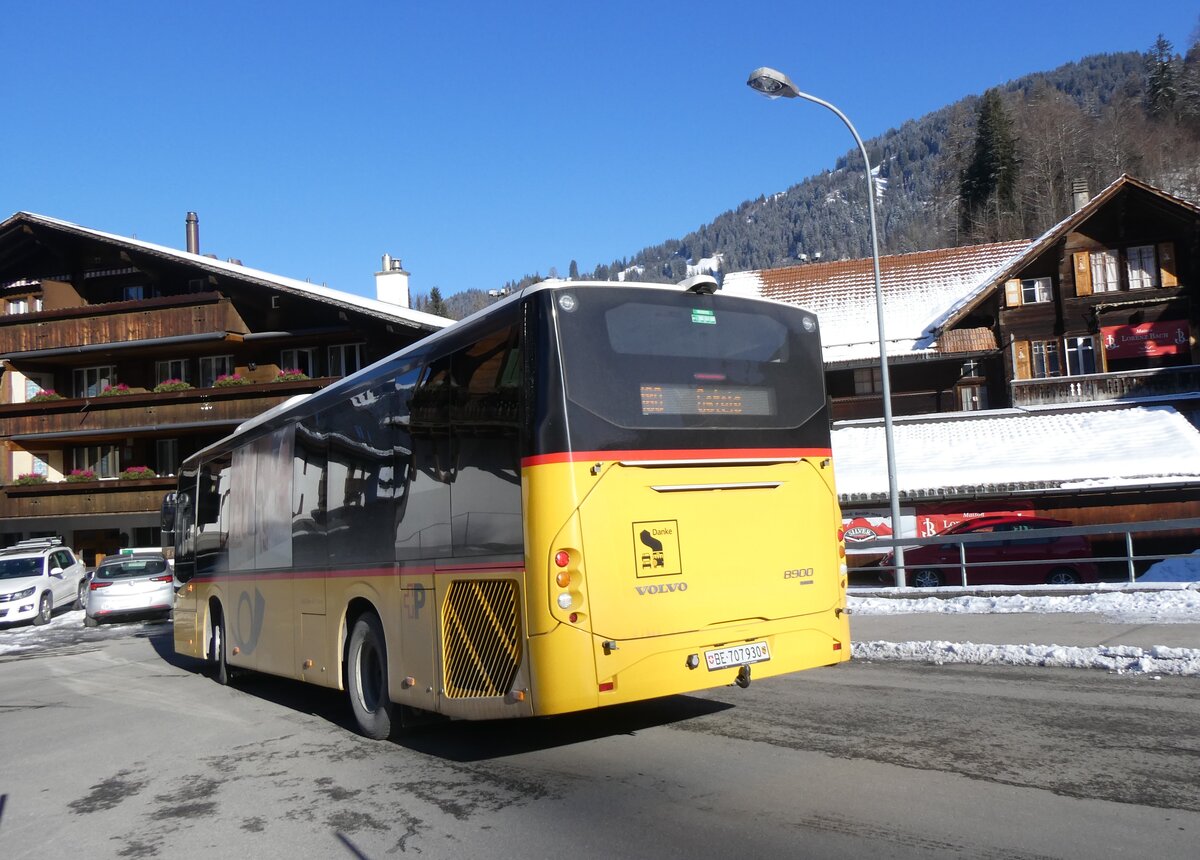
(133, 473)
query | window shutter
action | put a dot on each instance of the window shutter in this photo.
(1012, 293)
(1166, 265)
(1083, 273)
(1021, 366)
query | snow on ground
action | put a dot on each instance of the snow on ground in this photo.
(1186, 569)
(1179, 605)
(1174, 600)
(1121, 659)
(1178, 602)
(66, 631)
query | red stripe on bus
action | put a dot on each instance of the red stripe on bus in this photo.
(704, 454)
(415, 570)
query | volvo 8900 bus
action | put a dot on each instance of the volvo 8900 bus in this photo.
(584, 495)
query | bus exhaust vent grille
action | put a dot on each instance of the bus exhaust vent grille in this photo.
(482, 635)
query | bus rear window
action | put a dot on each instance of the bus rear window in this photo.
(685, 331)
(646, 358)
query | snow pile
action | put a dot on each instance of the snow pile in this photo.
(1171, 605)
(1177, 605)
(1120, 659)
(1174, 570)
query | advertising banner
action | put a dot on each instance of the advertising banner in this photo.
(861, 526)
(1165, 337)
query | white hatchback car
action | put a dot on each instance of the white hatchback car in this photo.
(36, 576)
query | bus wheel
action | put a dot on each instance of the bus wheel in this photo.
(366, 678)
(216, 651)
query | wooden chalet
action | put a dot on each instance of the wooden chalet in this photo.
(1103, 307)
(119, 358)
(1056, 347)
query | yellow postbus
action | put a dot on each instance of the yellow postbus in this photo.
(586, 494)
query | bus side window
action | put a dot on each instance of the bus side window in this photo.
(485, 415)
(308, 496)
(360, 490)
(212, 527)
(422, 525)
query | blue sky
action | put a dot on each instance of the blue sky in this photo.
(479, 141)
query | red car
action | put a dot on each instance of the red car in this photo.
(1055, 560)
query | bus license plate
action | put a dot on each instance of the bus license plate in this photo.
(737, 655)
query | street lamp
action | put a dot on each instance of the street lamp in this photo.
(775, 84)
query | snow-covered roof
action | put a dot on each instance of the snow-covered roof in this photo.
(337, 298)
(1006, 451)
(920, 291)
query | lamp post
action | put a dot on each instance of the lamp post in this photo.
(776, 84)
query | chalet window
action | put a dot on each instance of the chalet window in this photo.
(1034, 290)
(175, 368)
(969, 369)
(1141, 266)
(41, 462)
(1106, 272)
(1081, 355)
(346, 358)
(101, 459)
(134, 293)
(214, 366)
(867, 380)
(166, 460)
(18, 306)
(90, 381)
(35, 382)
(303, 360)
(1044, 359)
(971, 398)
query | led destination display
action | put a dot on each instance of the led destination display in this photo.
(706, 400)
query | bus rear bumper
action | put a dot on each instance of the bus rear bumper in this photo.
(639, 669)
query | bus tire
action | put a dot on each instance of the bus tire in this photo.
(218, 667)
(367, 678)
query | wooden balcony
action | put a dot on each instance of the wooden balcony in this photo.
(113, 496)
(1137, 384)
(120, 323)
(143, 413)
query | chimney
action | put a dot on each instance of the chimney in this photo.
(1079, 194)
(193, 233)
(391, 283)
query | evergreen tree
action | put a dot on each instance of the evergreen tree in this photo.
(1161, 84)
(573, 271)
(989, 183)
(437, 304)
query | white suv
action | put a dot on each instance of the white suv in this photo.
(35, 577)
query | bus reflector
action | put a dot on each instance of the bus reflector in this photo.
(607, 687)
(562, 558)
(837, 646)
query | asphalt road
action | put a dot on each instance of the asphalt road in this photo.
(114, 747)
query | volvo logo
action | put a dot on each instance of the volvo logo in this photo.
(664, 588)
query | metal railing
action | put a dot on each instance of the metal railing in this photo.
(1124, 532)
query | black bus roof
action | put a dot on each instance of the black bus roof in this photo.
(280, 413)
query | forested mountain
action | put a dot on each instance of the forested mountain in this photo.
(987, 168)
